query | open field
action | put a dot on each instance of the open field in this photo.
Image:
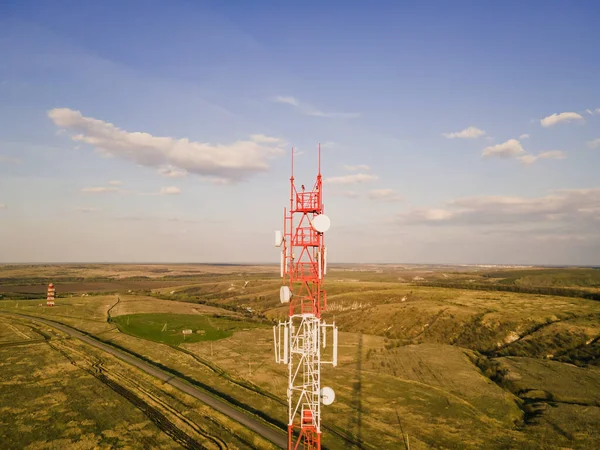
(120, 271)
(167, 328)
(450, 367)
(60, 392)
(87, 287)
(431, 405)
(548, 277)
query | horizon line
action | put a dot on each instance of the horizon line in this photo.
(277, 263)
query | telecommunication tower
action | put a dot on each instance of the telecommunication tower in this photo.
(50, 298)
(299, 340)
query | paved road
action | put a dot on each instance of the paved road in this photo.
(277, 437)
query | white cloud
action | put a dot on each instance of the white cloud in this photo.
(524, 136)
(287, 100)
(575, 208)
(593, 144)
(171, 172)
(562, 117)
(589, 111)
(99, 189)
(467, 133)
(512, 147)
(261, 138)
(358, 167)
(114, 183)
(171, 190)
(384, 194)
(597, 110)
(309, 110)
(228, 163)
(553, 154)
(528, 159)
(352, 179)
(425, 215)
(2, 206)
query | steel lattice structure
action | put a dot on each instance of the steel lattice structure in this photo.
(299, 340)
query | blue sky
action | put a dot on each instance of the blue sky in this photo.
(452, 132)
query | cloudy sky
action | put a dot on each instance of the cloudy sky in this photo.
(451, 132)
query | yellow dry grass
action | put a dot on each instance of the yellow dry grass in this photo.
(136, 304)
(397, 369)
(119, 271)
(55, 382)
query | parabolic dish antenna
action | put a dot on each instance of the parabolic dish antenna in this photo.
(321, 223)
(327, 395)
(285, 294)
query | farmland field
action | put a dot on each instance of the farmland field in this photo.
(167, 328)
(420, 356)
(60, 393)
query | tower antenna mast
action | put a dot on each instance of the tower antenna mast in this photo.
(300, 339)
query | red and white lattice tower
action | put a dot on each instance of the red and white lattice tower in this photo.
(50, 298)
(299, 340)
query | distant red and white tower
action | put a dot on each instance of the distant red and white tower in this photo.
(50, 298)
(299, 340)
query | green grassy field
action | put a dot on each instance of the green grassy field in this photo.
(167, 328)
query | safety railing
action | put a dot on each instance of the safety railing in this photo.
(306, 236)
(307, 201)
(305, 271)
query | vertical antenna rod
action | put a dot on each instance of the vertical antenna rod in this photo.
(319, 159)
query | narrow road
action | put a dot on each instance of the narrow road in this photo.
(270, 433)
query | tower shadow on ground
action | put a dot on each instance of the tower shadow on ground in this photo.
(355, 422)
